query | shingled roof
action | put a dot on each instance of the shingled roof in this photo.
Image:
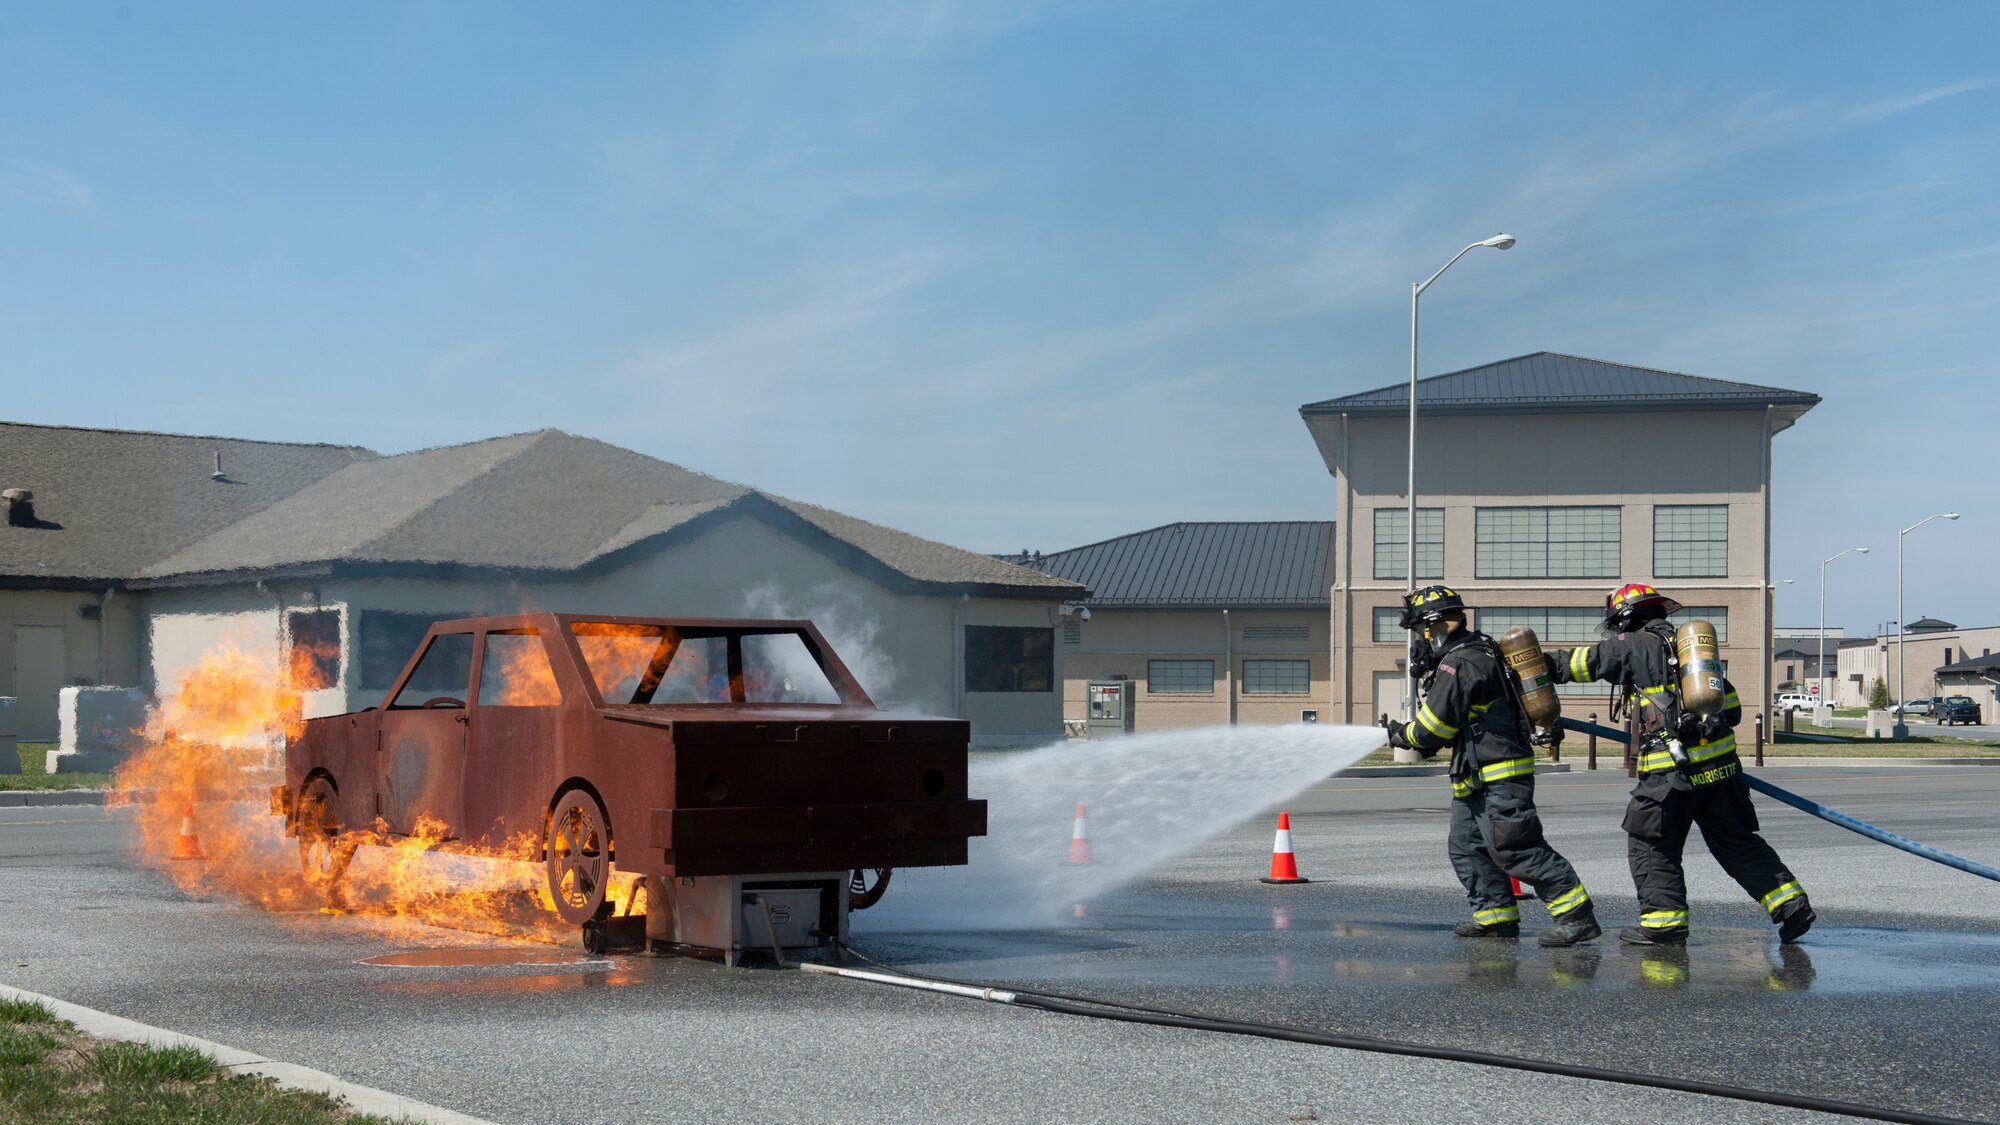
(110, 502)
(1278, 565)
(548, 503)
(1550, 382)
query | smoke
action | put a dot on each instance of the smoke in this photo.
(849, 624)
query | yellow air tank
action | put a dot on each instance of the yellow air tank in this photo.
(1701, 668)
(1523, 651)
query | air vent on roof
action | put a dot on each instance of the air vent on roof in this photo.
(217, 474)
(20, 505)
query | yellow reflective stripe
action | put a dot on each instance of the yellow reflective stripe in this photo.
(1579, 665)
(1461, 788)
(1657, 760)
(1512, 767)
(1716, 749)
(1785, 893)
(1564, 903)
(1732, 700)
(1660, 690)
(1480, 708)
(1663, 919)
(1497, 914)
(1435, 725)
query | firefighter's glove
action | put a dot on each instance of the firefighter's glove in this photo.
(1397, 738)
(1687, 727)
(1713, 728)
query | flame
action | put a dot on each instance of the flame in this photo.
(517, 673)
(206, 760)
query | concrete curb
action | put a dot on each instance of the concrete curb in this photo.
(1431, 771)
(1796, 760)
(364, 1099)
(16, 798)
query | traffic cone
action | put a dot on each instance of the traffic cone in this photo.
(1079, 840)
(1521, 890)
(188, 846)
(1284, 865)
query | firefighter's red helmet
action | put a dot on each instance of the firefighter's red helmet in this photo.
(1635, 603)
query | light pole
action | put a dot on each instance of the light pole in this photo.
(1901, 730)
(1819, 666)
(1498, 242)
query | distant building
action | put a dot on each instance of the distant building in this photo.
(1978, 677)
(1211, 623)
(139, 554)
(1543, 482)
(1933, 646)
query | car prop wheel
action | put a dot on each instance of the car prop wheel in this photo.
(325, 849)
(866, 886)
(579, 851)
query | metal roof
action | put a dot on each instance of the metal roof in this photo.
(1222, 565)
(1550, 382)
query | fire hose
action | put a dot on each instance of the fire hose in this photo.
(1133, 1013)
(1831, 816)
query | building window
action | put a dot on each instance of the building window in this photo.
(1277, 632)
(1009, 658)
(1716, 615)
(1277, 677)
(386, 639)
(1392, 542)
(1180, 677)
(1579, 542)
(312, 653)
(1555, 626)
(1691, 540)
(1387, 629)
(444, 673)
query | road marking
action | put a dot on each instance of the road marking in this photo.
(26, 823)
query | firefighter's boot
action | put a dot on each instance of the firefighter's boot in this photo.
(1504, 923)
(1794, 925)
(1578, 925)
(1653, 935)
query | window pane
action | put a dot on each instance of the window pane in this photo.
(698, 673)
(1387, 631)
(778, 668)
(312, 659)
(1277, 677)
(1009, 658)
(515, 673)
(1569, 542)
(444, 672)
(1691, 540)
(386, 640)
(1180, 677)
(618, 655)
(1392, 542)
(1555, 627)
(1718, 616)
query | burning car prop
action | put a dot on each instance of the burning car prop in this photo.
(747, 789)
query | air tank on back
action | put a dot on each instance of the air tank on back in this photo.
(1523, 653)
(1701, 668)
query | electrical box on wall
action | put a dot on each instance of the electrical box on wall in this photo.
(1111, 707)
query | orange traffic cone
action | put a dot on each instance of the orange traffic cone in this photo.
(1521, 890)
(1284, 865)
(1079, 840)
(188, 846)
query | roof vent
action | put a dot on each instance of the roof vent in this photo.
(20, 505)
(217, 474)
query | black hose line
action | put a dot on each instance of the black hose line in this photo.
(1132, 1013)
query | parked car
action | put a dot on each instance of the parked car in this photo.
(1796, 701)
(1953, 709)
(704, 748)
(1915, 707)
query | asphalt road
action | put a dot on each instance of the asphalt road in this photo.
(1889, 1001)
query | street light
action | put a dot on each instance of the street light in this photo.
(1497, 242)
(1819, 668)
(1901, 730)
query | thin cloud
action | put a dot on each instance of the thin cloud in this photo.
(46, 186)
(1885, 109)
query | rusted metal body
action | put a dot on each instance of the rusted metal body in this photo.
(707, 747)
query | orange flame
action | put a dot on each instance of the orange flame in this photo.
(216, 742)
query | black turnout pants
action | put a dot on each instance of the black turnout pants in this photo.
(1496, 832)
(1656, 824)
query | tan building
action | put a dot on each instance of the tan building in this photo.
(1543, 482)
(139, 557)
(1933, 644)
(1209, 623)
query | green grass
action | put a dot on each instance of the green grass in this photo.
(32, 777)
(53, 1074)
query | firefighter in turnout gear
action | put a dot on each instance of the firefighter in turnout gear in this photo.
(1688, 774)
(1472, 705)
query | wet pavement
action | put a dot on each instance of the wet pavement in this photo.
(1890, 1001)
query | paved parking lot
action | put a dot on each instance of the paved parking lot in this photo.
(1888, 1002)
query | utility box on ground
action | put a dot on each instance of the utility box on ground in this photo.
(10, 756)
(100, 727)
(1111, 708)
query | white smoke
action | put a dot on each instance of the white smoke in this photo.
(849, 625)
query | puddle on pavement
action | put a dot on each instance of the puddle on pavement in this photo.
(481, 958)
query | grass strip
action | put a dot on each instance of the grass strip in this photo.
(33, 776)
(53, 1074)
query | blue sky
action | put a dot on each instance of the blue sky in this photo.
(1017, 274)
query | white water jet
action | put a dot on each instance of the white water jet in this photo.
(1150, 798)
